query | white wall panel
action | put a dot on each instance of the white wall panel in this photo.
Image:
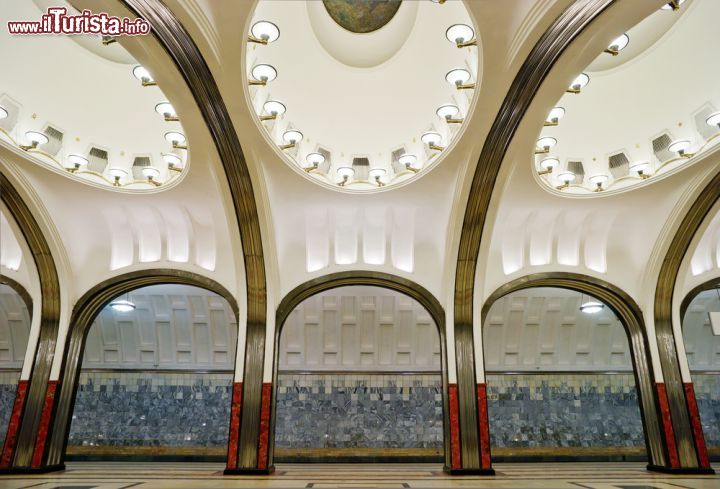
(14, 328)
(701, 346)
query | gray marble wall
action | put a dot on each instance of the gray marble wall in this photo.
(8, 386)
(559, 410)
(707, 392)
(356, 410)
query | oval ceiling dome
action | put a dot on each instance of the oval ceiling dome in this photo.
(362, 17)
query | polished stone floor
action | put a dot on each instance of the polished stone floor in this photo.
(96, 475)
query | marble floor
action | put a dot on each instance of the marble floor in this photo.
(97, 475)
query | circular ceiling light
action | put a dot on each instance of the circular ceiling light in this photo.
(555, 115)
(447, 111)
(174, 138)
(117, 172)
(122, 305)
(579, 83)
(460, 34)
(377, 173)
(142, 74)
(641, 167)
(549, 163)
(74, 162)
(672, 5)
(274, 108)
(713, 120)
(150, 172)
(172, 160)
(264, 73)
(265, 31)
(165, 109)
(598, 180)
(346, 173)
(458, 76)
(680, 146)
(3, 113)
(36, 137)
(619, 43)
(292, 137)
(546, 142)
(315, 159)
(566, 177)
(409, 160)
(591, 307)
(431, 138)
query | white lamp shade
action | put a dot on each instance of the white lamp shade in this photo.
(292, 137)
(3, 113)
(549, 163)
(408, 160)
(556, 113)
(377, 173)
(459, 33)
(431, 138)
(117, 172)
(274, 107)
(263, 29)
(457, 76)
(598, 179)
(165, 108)
(640, 166)
(447, 111)
(151, 172)
(591, 307)
(713, 120)
(315, 159)
(546, 142)
(121, 305)
(75, 160)
(264, 72)
(619, 43)
(174, 137)
(566, 176)
(580, 81)
(668, 7)
(36, 137)
(141, 73)
(680, 145)
(172, 159)
(345, 171)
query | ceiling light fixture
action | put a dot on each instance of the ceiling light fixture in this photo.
(553, 118)
(713, 120)
(263, 32)
(346, 173)
(123, 305)
(548, 164)
(376, 174)
(641, 167)
(432, 139)
(673, 5)
(578, 83)
(176, 139)
(291, 139)
(438, 1)
(591, 306)
(152, 174)
(448, 113)
(73, 162)
(35, 138)
(117, 174)
(462, 35)
(544, 144)
(315, 160)
(261, 74)
(144, 76)
(3, 113)
(598, 181)
(617, 45)
(273, 108)
(680, 147)
(166, 110)
(174, 162)
(459, 77)
(565, 177)
(409, 161)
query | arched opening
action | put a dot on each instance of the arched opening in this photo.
(15, 318)
(360, 373)
(701, 337)
(156, 377)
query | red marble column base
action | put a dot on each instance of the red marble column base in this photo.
(694, 412)
(667, 427)
(14, 425)
(483, 426)
(455, 461)
(264, 439)
(44, 427)
(233, 438)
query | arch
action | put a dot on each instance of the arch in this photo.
(179, 45)
(20, 290)
(686, 427)
(369, 278)
(84, 313)
(28, 409)
(713, 283)
(632, 320)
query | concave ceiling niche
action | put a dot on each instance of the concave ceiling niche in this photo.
(83, 107)
(361, 96)
(646, 107)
